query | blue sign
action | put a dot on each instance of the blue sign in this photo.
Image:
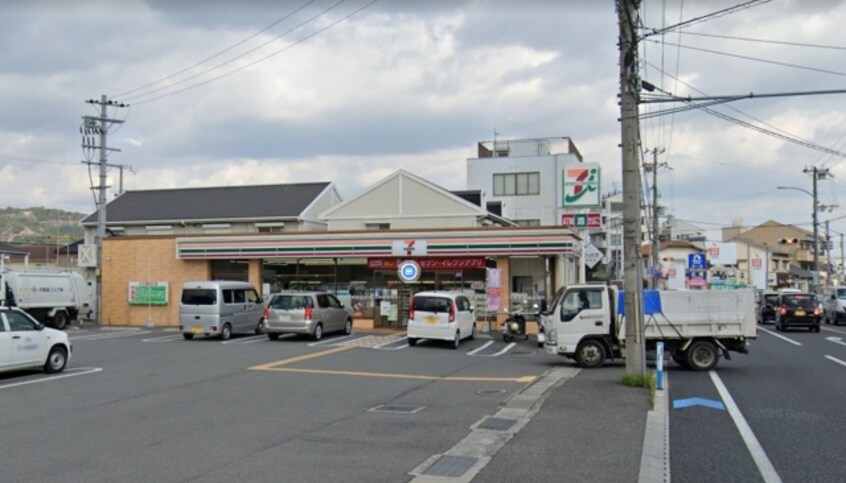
(696, 261)
(409, 271)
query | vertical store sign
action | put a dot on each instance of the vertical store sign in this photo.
(581, 187)
(494, 290)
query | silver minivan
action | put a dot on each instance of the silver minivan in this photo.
(311, 313)
(219, 308)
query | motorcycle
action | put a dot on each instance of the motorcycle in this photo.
(514, 327)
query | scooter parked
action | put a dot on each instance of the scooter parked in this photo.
(514, 327)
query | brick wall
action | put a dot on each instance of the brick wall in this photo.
(148, 259)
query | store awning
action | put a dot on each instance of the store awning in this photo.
(434, 243)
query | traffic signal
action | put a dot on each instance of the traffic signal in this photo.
(788, 241)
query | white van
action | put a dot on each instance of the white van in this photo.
(834, 305)
(441, 316)
(219, 308)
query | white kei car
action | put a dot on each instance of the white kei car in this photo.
(27, 344)
(442, 316)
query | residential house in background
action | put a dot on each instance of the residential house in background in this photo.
(680, 230)
(791, 249)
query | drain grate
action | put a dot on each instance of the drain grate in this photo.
(498, 424)
(450, 466)
(491, 391)
(396, 408)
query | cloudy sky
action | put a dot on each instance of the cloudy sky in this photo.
(261, 91)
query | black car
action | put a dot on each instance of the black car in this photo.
(798, 310)
(766, 311)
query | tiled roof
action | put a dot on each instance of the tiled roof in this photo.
(215, 203)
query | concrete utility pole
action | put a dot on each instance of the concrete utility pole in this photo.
(656, 244)
(827, 253)
(842, 265)
(629, 130)
(816, 174)
(100, 125)
(816, 285)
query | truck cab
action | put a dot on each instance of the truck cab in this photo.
(583, 324)
(587, 324)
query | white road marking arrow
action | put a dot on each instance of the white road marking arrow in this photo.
(836, 340)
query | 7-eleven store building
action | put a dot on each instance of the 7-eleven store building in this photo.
(360, 267)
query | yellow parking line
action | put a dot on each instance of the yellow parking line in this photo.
(398, 376)
(275, 366)
(271, 365)
(834, 330)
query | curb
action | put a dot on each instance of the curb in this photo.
(655, 457)
(479, 447)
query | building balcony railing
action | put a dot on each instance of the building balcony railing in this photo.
(804, 255)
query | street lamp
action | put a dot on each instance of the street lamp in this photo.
(816, 283)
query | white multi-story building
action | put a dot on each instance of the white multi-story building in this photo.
(526, 175)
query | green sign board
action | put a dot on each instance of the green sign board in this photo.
(148, 293)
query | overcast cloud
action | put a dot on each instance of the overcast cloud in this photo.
(405, 85)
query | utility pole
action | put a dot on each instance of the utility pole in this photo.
(629, 130)
(842, 266)
(100, 126)
(655, 245)
(817, 174)
(816, 285)
(827, 254)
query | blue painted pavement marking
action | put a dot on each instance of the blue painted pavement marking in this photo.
(698, 401)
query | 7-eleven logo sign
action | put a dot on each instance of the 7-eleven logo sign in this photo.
(581, 185)
(409, 247)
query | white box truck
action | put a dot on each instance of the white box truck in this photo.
(586, 323)
(55, 298)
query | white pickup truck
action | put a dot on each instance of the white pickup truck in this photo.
(586, 323)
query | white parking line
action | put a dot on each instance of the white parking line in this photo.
(474, 351)
(382, 347)
(834, 359)
(765, 466)
(80, 371)
(338, 340)
(164, 338)
(781, 337)
(497, 354)
(246, 340)
(111, 335)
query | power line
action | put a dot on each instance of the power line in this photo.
(221, 52)
(764, 41)
(244, 54)
(756, 59)
(774, 132)
(706, 17)
(262, 59)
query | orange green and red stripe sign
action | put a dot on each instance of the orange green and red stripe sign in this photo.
(332, 247)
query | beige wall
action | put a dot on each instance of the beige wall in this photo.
(406, 223)
(140, 260)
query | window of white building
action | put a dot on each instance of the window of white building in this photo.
(516, 184)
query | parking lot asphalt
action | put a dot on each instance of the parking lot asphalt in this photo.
(143, 403)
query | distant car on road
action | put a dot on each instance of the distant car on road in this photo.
(798, 310)
(312, 313)
(27, 344)
(834, 304)
(766, 311)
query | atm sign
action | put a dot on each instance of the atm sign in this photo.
(581, 220)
